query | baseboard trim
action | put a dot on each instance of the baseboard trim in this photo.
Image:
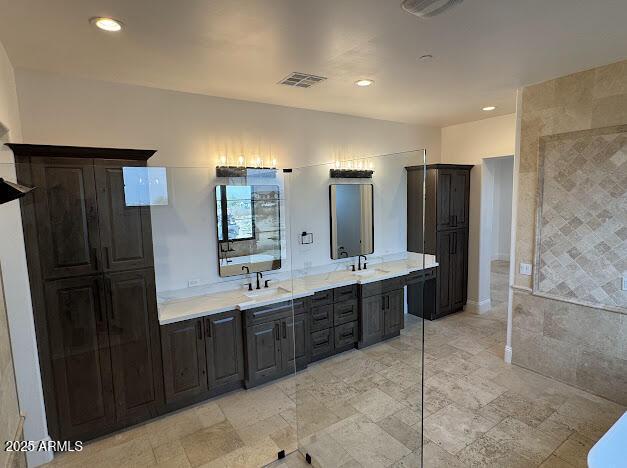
(501, 257)
(37, 458)
(508, 354)
(478, 307)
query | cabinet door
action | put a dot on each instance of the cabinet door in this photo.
(394, 310)
(371, 322)
(125, 231)
(135, 343)
(184, 364)
(459, 268)
(79, 351)
(444, 243)
(295, 342)
(67, 216)
(444, 183)
(263, 342)
(223, 342)
(460, 184)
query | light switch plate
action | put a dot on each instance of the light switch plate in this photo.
(525, 269)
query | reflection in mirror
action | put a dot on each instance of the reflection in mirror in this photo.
(248, 226)
(352, 220)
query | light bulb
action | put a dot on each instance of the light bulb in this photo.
(240, 160)
(273, 162)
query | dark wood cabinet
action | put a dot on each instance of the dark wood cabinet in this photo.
(184, 360)
(79, 355)
(203, 357)
(224, 347)
(445, 230)
(422, 293)
(295, 342)
(277, 341)
(135, 344)
(97, 323)
(265, 360)
(333, 318)
(393, 312)
(371, 320)
(381, 311)
(125, 231)
(66, 211)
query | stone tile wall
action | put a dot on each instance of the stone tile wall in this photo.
(580, 345)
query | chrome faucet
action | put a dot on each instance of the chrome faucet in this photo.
(359, 262)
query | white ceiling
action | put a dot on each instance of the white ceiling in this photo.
(483, 49)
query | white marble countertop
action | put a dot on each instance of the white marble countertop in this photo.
(294, 288)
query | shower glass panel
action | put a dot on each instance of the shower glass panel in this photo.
(216, 356)
(359, 400)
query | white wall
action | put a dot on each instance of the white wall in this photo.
(502, 207)
(17, 289)
(470, 143)
(191, 131)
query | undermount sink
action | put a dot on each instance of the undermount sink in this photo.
(264, 292)
(372, 271)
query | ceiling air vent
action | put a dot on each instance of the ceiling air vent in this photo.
(428, 8)
(301, 80)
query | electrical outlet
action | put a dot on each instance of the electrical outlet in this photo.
(193, 282)
(624, 280)
(525, 269)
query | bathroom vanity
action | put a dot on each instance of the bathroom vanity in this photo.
(208, 351)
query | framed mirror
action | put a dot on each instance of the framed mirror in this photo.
(248, 221)
(352, 220)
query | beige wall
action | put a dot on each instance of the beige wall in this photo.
(470, 143)
(583, 346)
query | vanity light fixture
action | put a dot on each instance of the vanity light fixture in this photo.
(351, 170)
(106, 24)
(363, 83)
(256, 169)
(488, 108)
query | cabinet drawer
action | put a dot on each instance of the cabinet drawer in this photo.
(379, 287)
(422, 275)
(322, 298)
(321, 317)
(273, 312)
(321, 343)
(345, 312)
(345, 293)
(345, 335)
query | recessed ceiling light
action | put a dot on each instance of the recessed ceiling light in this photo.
(425, 58)
(106, 24)
(363, 83)
(489, 108)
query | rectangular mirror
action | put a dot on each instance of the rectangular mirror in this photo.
(352, 220)
(248, 223)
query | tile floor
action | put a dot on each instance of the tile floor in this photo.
(362, 408)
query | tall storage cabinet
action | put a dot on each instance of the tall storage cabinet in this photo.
(446, 220)
(92, 281)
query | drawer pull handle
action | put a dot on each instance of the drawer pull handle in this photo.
(321, 343)
(347, 334)
(320, 318)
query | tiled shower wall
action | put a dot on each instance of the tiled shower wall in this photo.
(580, 345)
